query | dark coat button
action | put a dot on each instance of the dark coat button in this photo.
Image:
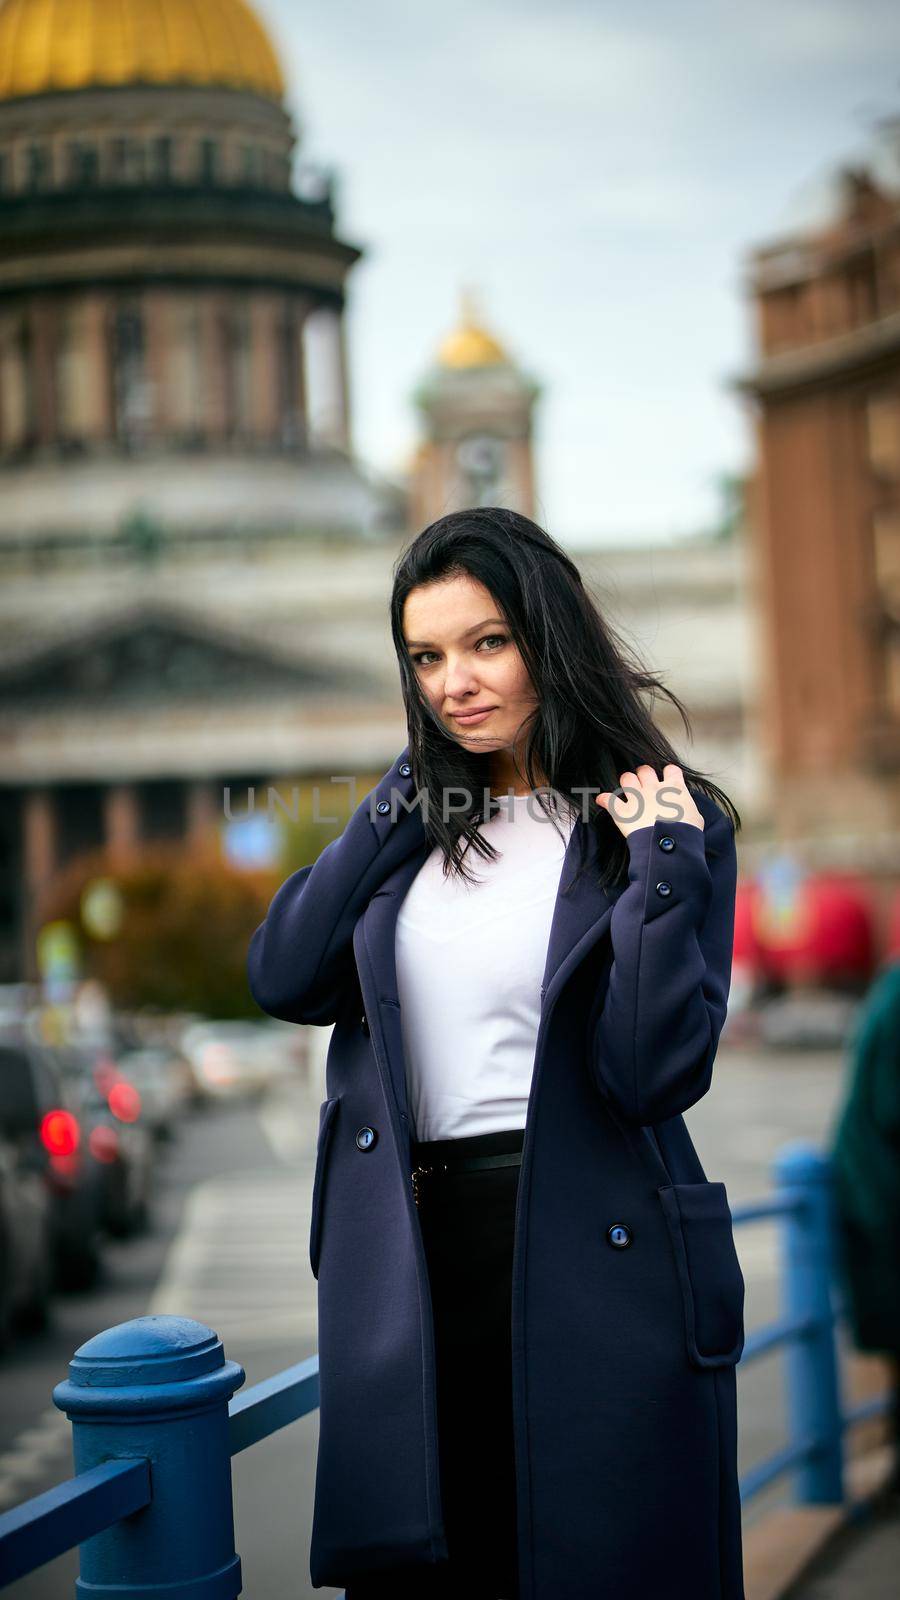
(405, 770)
(618, 1235)
(666, 842)
(664, 888)
(364, 1023)
(365, 1138)
(383, 806)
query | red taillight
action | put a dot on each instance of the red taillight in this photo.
(103, 1143)
(124, 1101)
(60, 1134)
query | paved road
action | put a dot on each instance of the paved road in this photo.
(861, 1564)
(229, 1247)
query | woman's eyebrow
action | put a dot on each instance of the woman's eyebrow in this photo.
(414, 644)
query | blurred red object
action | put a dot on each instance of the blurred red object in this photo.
(124, 1100)
(823, 932)
(748, 952)
(892, 944)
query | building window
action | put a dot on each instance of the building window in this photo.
(37, 167)
(162, 159)
(127, 161)
(238, 379)
(163, 809)
(130, 388)
(84, 165)
(886, 539)
(209, 161)
(883, 433)
(17, 400)
(289, 399)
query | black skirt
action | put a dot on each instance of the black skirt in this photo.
(467, 1221)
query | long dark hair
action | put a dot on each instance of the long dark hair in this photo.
(590, 724)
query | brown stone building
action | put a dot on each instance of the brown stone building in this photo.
(826, 515)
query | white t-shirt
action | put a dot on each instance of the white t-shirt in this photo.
(470, 959)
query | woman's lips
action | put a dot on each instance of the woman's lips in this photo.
(473, 717)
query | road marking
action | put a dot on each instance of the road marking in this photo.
(239, 1262)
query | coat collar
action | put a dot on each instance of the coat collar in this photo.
(580, 916)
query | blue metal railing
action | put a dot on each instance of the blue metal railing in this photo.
(156, 1422)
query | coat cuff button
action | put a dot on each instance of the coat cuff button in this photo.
(664, 888)
(666, 842)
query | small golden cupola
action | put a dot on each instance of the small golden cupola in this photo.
(470, 344)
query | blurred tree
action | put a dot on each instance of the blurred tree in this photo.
(187, 917)
(187, 914)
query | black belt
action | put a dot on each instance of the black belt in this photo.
(450, 1163)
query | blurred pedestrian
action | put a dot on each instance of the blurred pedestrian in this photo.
(866, 1158)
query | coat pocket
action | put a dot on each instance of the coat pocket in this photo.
(709, 1272)
(327, 1115)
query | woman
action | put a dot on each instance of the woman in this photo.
(530, 1305)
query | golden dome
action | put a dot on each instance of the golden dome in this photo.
(47, 45)
(470, 344)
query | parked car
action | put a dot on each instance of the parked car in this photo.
(236, 1059)
(26, 1244)
(118, 1136)
(165, 1083)
(38, 1117)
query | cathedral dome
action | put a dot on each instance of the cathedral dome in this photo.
(50, 45)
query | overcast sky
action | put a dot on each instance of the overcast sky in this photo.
(598, 173)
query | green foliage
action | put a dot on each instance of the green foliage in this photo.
(186, 924)
(188, 914)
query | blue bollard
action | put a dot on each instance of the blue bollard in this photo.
(158, 1387)
(812, 1391)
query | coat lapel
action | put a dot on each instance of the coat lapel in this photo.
(580, 917)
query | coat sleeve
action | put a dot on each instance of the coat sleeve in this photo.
(654, 1041)
(300, 957)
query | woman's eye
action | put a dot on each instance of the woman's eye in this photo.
(499, 638)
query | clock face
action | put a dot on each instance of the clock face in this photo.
(481, 456)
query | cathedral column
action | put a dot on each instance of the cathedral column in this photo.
(122, 821)
(264, 317)
(343, 380)
(43, 323)
(39, 849)
(157, 325)
(203, 808)
(96, 401)
(214, 385)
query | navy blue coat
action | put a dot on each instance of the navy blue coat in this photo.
(623, 1356)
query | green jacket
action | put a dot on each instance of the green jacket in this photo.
(866, 1160)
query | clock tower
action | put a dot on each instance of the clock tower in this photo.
(477, 405)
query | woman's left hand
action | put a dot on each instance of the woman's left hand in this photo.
(647, 797)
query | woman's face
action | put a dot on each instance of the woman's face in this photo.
(464, 656)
